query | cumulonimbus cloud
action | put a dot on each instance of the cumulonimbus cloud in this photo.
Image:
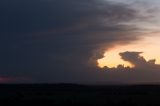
(60, 40)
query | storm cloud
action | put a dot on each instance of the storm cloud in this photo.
(60, 40)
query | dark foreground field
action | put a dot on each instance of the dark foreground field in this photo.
(70, 94)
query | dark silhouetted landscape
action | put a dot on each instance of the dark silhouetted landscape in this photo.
(73, 94)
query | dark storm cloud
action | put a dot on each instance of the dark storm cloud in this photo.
(56, 40)
(40, 15)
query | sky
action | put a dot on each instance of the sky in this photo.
(80, 41)
(147, 46)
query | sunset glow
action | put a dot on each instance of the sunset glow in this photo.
(149, 46)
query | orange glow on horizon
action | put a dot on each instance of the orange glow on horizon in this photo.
(149, 46)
